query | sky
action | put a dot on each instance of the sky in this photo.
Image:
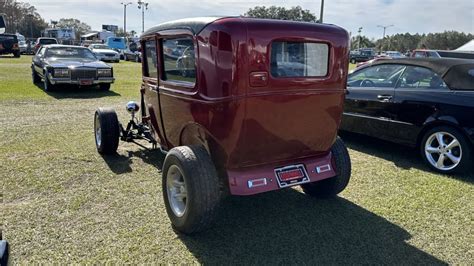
(414, 16)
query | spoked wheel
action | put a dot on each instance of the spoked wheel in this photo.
(190, 189)
(106, 131)
(330, 187)
(47, 84)
(445, 150)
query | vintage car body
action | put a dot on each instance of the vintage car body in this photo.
(245, 117)
(240, 106)
(77, 71)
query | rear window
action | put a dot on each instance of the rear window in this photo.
(48, 41)
(299, 59)
(7, 37)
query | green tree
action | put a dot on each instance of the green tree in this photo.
(80, 28)
(22, 18)
(365, 42)
(296, 13)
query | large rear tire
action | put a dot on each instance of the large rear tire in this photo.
(106, 131)
(190, 189)
(332, 186)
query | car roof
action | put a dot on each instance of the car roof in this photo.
(455, 72)
(63, 46)
(195, 25)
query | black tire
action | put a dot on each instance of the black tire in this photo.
(107, 140)
(332, 186)
(202, 186)
(47, 85)
(35, 77)
(104, 86)
(465, 150)
(17, 54)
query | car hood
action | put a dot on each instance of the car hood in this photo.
(76, 62)
(104, 51)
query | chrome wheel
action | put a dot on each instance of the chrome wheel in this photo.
(176, 188)
(98, 131)
(443, 151)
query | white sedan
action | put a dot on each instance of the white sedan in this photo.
(105, 53)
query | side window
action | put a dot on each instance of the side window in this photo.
(384, 76)
(421, 78)
(179, 60)
(150, 61)
(299, 59)
(419, 54)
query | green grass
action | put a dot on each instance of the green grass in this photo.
(63, 202)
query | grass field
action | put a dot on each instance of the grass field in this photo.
(63, 202)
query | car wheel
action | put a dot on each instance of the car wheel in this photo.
(106, 131)
(35, 77)
(190, 189)
(332, 186)
(104, 87)
(47, 85)
(16, 54)
(446, 150)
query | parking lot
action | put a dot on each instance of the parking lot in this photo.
(67, 203)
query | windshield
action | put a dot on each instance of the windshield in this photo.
(48, 41)
(70, 52)
(100, 46)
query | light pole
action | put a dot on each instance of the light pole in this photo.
(384, 30)
(322, 12)
(360, 37)
(142, 5)
(125, 16)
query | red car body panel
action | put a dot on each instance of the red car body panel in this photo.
(249, 121)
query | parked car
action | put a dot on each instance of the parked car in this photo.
(64, 64)
(105, 53)
(424, 103)
(361, 55)
(132, 53)
(377, 58)
(43, 41)
(9, 44)
(119, 44)
(244, 125)
(442, 54)
(23, 47)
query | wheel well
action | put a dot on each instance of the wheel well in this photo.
(438, 123)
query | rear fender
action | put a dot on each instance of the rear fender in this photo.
(432, 122)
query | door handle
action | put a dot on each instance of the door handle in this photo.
(384, 98)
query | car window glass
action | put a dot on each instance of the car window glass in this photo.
(421, 78)
(150, 57)
(179, 60)
(385, 76)
(419, 54)
(41, 51)
(299, 59)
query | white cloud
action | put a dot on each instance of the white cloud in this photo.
(407, 16)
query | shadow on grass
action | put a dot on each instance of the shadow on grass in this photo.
(121, 164)
(402, 156)
(76, 92)
(288, 227)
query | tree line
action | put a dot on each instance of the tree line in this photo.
(22, 17)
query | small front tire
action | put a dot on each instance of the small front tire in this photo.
(106, 131)
(104, 86)
(35, 77)
(47, 84)
(190, 189)
(332, 186)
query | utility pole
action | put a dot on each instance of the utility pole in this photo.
(322, 12)
(125, 16)
(384, 30)
(360, 37)
(142, 5)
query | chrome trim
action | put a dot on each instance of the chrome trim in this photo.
(250, 183)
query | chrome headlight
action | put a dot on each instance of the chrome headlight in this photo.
(105, 72)
(61, 73)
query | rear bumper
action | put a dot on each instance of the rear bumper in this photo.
(255, 180)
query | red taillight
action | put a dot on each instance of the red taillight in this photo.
(37, 46)
(15, 45)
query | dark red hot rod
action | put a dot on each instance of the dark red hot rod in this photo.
(239, 106)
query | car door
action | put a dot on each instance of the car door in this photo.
(150, 82)
(38, 63)
(418, 95)
(369, 101)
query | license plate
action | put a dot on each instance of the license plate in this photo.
(291, 175)
(85, 82)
